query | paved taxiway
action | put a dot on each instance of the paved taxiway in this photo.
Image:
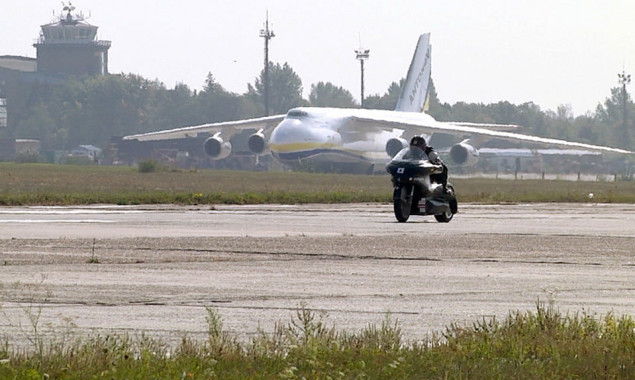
(158, 267)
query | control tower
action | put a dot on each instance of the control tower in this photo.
(70, 47)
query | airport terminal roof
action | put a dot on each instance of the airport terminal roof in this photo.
(24, 64)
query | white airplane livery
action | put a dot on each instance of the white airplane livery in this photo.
(358, 140)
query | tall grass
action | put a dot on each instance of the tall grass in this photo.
(543, 344)
(45, 184)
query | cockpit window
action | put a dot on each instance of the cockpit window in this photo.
(297, 114)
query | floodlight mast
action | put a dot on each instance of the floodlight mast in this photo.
(267, 35)
(624, 79)
(362, 55)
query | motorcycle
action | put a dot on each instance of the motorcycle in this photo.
(414, 193)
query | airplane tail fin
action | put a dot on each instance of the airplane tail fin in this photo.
(414, 92)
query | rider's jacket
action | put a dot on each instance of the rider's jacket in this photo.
(432, 155)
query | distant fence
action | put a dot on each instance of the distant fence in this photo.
(545, 176)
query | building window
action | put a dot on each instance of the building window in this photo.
(3, 113)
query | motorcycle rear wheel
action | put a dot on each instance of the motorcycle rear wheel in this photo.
(447, 216)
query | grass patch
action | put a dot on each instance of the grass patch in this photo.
(542, 344)
(46, 184)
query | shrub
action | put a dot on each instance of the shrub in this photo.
(149, 166)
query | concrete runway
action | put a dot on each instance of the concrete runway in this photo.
(157, 268)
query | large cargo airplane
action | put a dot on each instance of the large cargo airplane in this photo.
(358, 140)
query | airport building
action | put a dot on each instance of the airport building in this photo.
(65, 47)
(70, 46)
(3, 112)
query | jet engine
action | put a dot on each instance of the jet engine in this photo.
(216, 148)
(257, 143)
(394, 145)
(464, 154)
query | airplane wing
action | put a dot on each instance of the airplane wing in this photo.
(228, 128)
(420, 123)
(493, 127)
(516, 152)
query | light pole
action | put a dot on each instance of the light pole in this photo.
(624, 79)
(362, 55)
(267, 35)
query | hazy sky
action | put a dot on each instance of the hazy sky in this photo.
(551, 52)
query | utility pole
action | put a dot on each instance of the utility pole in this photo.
(362, 55)
(624, 79)
(267, 35)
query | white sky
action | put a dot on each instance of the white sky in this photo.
(551, 52)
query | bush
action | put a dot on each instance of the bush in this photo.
(149, 166)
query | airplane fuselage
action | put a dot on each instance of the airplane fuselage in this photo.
(328, 138)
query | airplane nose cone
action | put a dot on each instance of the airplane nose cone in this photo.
(293, 135)
(287, 132)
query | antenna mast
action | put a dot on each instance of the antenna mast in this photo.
(624, 79)
(362, 55)
(267, 35)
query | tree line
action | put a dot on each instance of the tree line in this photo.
(91, 110)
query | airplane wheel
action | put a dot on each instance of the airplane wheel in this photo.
(402, 203)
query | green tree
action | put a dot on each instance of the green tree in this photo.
(388, 101)
(471, 112)
(610, 116)
(116, 105)
(328, 95)
(562, 123)
(215, 104)
(173, 108)
(285, 89)
(587, 129)
(532, 119)
(41, 125)
(440, 111)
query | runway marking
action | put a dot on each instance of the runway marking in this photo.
(35, 221)
(49, 211)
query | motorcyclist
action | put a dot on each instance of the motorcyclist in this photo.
(433, 156)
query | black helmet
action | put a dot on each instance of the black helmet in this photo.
(418, 141)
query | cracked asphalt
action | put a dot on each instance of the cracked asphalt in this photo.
(155, 269)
